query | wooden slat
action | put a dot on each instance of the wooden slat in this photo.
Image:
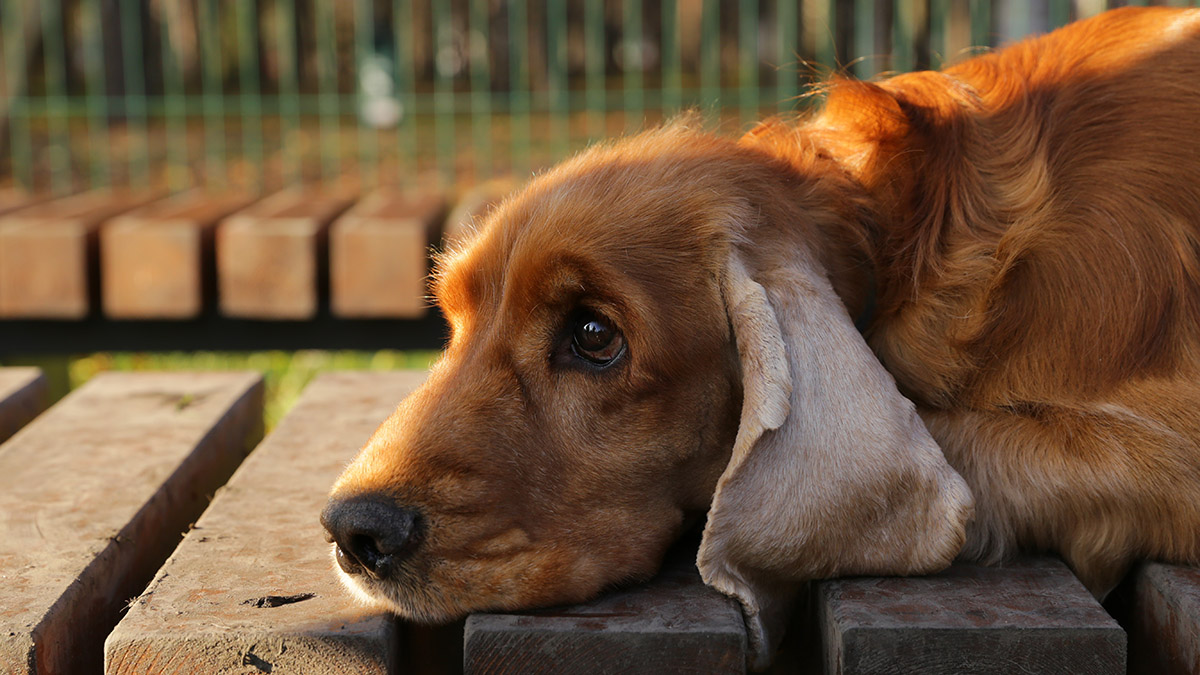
(155, 260)
(378, 255)
(48, 267)
(12, 199)
(1030, 616)
(472, 207)
(95, 494)
(672, 624)
(261, 538)
(24, 393)
(1164, 626)
(271, 256)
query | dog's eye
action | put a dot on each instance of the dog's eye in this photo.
(597, 340)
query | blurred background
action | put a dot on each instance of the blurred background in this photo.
(259, 95)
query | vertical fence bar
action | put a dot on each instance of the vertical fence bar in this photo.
(406, 84)
(865, 59)
(289, 93)
(633, 64)
(133, 65)
(904, 27)
(56, 111)
(20, 146)
(1058, 13)
(672, 59)
(328, 94)
(556, 66)
(748, 70)
(710, 56)
(787, 70)
(215, 165)
(481, 89)
(99, 149)
(175, 114)
(518, 59)
(444, 107)
(594, 61)
(364, 48)
(939, 36)
(250, 94)
(981, 23)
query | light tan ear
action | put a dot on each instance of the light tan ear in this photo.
(832, 471)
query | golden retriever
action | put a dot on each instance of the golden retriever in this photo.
(664, 328)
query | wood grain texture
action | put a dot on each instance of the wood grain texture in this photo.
(252, 587)
(1164, 626)
(48, 254)
(24, 392)
(1029, 616)
(271, 257)
(96, 493)
(156, 262)
(674, 624)
(379, 255)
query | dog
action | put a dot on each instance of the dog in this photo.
(948, 314)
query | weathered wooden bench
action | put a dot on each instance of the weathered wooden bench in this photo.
(97, 492)
(142, 271)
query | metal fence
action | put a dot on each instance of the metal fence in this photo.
(256, 94)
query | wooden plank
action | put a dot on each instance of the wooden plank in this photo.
(262, 538)
(12, 199)
(1164, 626)
(379, 255)
(674, 623)
(472, 207)
(1029, 616)
(95, 494)
(24, 393)
(156, 261)
(271, 256)
(48, 266)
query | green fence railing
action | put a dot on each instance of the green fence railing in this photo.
(257, 94)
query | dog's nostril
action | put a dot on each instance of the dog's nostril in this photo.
(372, 534)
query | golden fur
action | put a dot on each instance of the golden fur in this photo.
(1028, 224)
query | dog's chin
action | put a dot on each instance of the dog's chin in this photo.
(417, 605)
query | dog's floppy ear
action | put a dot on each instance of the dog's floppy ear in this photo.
(832, 471)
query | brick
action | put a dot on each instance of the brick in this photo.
(379, 255)
(1164, 626)
(1028, 616)
(672, 624)
(48, 266)
(261, 538)
(271, 256)
(156, 261)
(472, 207)
(95, 494)
(24, 393)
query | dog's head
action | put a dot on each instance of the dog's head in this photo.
(644, 334)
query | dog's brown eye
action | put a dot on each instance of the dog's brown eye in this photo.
(597, 340)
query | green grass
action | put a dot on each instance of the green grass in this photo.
(285, 373)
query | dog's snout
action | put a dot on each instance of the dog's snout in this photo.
(372, 534)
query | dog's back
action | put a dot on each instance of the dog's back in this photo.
(1040, 281)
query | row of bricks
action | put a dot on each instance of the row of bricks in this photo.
(97, 492)
(137, 256)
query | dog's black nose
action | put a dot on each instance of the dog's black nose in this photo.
(373, 534)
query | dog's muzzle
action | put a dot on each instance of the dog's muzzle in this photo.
(373, 535)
